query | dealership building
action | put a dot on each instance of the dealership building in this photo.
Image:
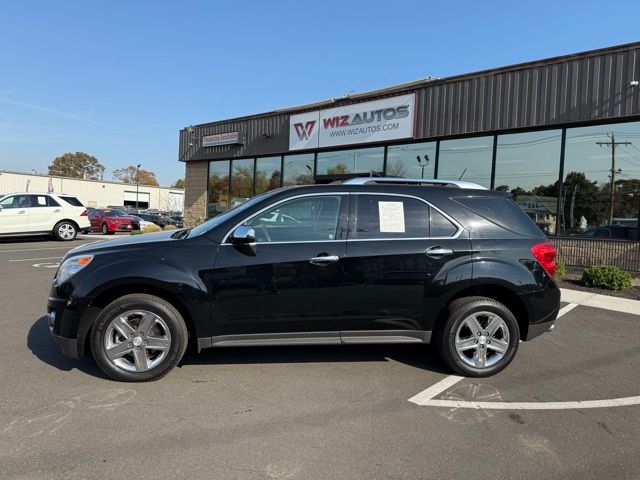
(553, 132)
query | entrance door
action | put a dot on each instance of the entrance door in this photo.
(287, 286)
(397, 249)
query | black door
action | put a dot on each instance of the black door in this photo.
(288, 285)
(395, 278)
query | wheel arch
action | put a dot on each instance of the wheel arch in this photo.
(500, 293)
(108, 295)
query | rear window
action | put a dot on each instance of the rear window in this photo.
(503, 212)
(72, 201)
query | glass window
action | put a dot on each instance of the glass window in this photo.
(466, 159)
(361, 160)
(439, 225)
(241, 181)
(380, 216)
(298, 170)
(268, 175)
(39, 201)
(302, 219)
(218, 198)
(70, 200)
(528, 165)
(414, 160)
(586, 189)
(8, 202)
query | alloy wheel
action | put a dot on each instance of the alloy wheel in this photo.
(482, 339)
(137, 341)
(66, 231)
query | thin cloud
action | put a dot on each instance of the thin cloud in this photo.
(59, 113)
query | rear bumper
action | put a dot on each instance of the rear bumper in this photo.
(543, 307)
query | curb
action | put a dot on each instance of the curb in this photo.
(597, 300)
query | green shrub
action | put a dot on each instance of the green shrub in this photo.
(170, 227)
(606, 276)
(151, 229)
(561, 269)
(136, 232)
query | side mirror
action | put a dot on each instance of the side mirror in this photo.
(243, 235)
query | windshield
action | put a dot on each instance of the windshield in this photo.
(115, 213)
(215, 221)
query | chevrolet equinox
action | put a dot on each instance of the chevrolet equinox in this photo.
(368, 260)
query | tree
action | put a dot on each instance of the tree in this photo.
(178, 183)
(339, 169)
(77, 165)
(519, 191)
(130, 174)
(581, 197)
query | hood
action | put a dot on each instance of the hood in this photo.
(124, 242)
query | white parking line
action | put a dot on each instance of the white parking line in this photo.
(425, 398)
(29, 259)
(612, 402)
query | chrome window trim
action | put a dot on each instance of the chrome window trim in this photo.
(458, 232)
(302, 195)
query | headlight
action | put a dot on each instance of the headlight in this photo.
(71, 266)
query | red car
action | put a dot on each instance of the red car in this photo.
(110, 221)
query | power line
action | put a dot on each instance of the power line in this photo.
(612, 144)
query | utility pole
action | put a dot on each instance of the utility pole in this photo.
(613, 144)
(137, 185)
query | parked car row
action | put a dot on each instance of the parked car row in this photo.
(64, 216)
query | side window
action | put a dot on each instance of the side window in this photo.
(302, 219)
(38, 200)
(312, 218)
(52, 202)
(440, 225)
(381, 216)
(23, 201)
(8, 202)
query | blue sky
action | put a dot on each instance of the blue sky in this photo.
(119, 79)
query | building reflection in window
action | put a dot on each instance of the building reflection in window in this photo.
(361, 160)
(466, 159)
(298, 169)
(218, 196)
(268, 175)
(414, 160)
(586, 197)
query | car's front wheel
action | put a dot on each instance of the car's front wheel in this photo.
(65, 231)
(138, 338)
(479, 337)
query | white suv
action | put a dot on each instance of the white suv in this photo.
(62, 216)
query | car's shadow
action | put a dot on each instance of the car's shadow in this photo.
(418, 356)
(42, 345)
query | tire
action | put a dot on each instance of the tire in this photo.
(150, 322)
(463, 349)
(105, 230)
(65, 231)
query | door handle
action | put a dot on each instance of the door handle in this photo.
(437, 252)
(22, 211)
(56, 210)
(324, 260)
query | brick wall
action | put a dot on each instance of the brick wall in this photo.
(195, 198)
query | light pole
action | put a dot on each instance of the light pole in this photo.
(137, 184)
(422, 165)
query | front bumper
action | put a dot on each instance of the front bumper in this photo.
(63, 324)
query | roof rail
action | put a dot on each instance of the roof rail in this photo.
(414, 181)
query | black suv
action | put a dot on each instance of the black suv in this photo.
(364, 261)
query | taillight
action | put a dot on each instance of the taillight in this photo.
(545, 253)
(84, 214)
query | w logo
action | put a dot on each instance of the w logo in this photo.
(304, 130)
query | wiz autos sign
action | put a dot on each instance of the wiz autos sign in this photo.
(378, 121)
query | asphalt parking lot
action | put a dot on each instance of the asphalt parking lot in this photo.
(314, 412)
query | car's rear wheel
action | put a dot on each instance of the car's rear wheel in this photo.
(479, 337)
(138, 338)
(65, 231)
(105, 230)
